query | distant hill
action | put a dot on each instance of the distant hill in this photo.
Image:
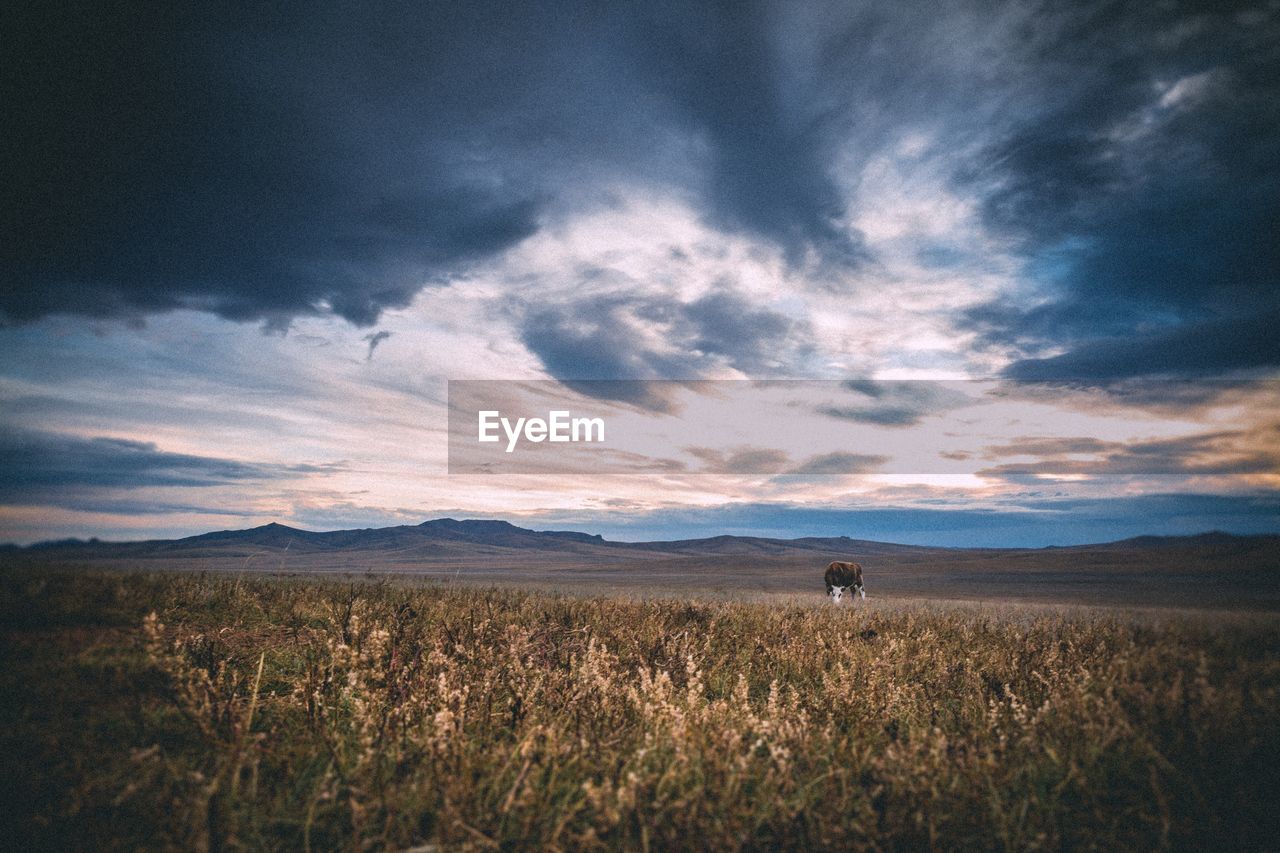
(446, 539)
(484, 541)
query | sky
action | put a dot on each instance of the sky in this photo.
(1026, 257)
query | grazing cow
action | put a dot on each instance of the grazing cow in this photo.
(841, 576)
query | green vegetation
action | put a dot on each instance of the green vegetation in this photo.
(286, 714)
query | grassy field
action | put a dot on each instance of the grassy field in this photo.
(146, 711)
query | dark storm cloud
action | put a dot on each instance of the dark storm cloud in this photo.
(1191, 348)
(613, 337)
(64, 470)
(597, 340)
(601, 338)
(748, 338)
(255, 164)
(1145, 193)
(262, 163)
(771, 143)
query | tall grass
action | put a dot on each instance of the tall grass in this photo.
(216, 713)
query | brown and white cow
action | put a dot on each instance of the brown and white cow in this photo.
(842, 575)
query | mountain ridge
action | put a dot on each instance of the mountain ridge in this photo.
(447, 533)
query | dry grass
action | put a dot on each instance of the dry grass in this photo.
(272, 714)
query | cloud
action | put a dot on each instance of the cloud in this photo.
(1051, 446)
(1177, 399)
(337, 158)
(739, 460)
(748, 338)
(895, 404)
(295, 166)
(1209, 348)
(830, 464)
(603, 338)
(1214, 454)
(373, 341)
(1143, 196)
(39, 468)
(770, 144)
(620, 337)
(877, 415)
